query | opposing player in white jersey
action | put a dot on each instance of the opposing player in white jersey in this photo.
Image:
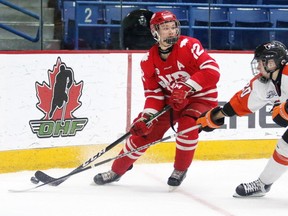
(176, 71)
(269, 86)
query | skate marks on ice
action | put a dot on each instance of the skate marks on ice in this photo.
(206, 190)
(189, 195)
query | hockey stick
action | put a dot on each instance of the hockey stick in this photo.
(43, 177)
(108, 160)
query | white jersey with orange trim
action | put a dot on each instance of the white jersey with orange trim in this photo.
(256, 94)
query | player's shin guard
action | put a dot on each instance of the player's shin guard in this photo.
(120, 166)
(185, 150)
(185, 144)
(277, 164)
(183, 159)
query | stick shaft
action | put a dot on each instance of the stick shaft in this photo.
(110, 159)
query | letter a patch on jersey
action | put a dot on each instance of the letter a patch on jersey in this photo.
(180, 65)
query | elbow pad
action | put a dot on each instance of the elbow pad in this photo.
(280, 114)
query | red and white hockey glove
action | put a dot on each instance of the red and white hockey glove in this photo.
(178, 98)
(206, 121)
(280, 114)
(139, 126)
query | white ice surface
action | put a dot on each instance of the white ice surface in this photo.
(207, 190)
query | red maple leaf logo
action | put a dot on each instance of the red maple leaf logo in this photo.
(47, 92)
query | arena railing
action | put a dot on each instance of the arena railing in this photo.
(17, 32)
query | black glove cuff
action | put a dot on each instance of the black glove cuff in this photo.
(286, 106)
(220, 121)
(280, 121)
(228, 110)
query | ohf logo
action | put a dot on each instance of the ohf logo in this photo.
(58, 99)
(45, 129)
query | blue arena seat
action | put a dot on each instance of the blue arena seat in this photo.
(279, 19)
(254, 2)
(212, 14)
(278, 14)
(250, 18)
(114, 15)
(275, 2)
(88, 37)
(199, 1)
(166, 1)
(248, 14)
(203, 16)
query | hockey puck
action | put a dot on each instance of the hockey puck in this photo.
(34, 180)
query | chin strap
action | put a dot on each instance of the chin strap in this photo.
(161, 51)
(270, 77)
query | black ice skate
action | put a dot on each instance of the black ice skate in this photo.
(106, 177)
(252, 189)
(176, 178)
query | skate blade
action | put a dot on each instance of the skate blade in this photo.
(235, 195)
(173, 188)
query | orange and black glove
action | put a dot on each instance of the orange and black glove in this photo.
(206, 121)
(280, 114)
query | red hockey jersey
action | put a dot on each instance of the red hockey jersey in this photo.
(188, 62)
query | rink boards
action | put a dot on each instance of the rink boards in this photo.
(105, 96)
(66, 157)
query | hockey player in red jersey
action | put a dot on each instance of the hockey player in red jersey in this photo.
(176, 71)
(270, 85)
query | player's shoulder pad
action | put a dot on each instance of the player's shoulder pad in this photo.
(149, 54)
(147, 62)
(187, 42)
